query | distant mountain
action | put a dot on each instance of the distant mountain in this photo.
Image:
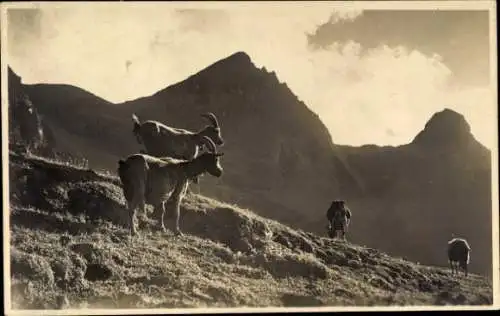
(281, 162)
(422, 192)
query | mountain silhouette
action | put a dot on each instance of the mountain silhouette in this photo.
(444, 129)
(280, 160)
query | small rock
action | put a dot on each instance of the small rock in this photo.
(64, 240)
(354, 264)
(88, 251)
(290, 299)
(343, 292)
(444, 296)
(62, 302)
(460, 298)
(98, 272)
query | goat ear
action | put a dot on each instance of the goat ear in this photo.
(219, 154)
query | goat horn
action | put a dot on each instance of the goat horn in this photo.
(212, 118)
(210, 144)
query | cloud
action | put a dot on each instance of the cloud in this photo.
(359, 96)
(461, 37)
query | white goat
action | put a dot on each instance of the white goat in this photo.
(458, 255)
(148, 180)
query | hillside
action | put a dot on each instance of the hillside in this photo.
(281, 162)
(70, 249)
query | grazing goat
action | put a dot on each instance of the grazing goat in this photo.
(339, 217)
(458, 255)
(160, 140)
(148, 180)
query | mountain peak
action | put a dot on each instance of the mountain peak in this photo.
(240, 56)
(449, 116)
(229, 71)
(446, 126)
(237, 61)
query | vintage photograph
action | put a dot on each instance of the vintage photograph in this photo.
(231, 155)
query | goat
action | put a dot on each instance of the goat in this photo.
(148, 180)
(458, 255)
(161, 140)
(339, 217)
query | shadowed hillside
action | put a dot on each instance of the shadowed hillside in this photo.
(70, 248)
(280, 160)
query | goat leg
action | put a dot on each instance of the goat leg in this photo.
(177, 206)
(131, 212)
(177, 229)
(160, 210)
(157, 212)
(195, 180)
(173, 203)
(142, 207)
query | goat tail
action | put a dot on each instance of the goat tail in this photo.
(137, 127)
(137, 123)
(135, 119)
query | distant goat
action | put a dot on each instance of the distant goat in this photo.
(339, 217)
(25, 117)
(148, 180)
(458, 255)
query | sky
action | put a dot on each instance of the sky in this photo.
(373, 77)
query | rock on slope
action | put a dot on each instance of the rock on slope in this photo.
(69, 249)
(28, 128)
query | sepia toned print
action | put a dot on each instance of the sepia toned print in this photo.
(236, 156)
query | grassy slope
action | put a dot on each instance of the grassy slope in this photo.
(70, 248)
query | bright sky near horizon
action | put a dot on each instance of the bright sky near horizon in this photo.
(380, 95)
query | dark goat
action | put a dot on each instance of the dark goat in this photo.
(339, 217)
(458, 255)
